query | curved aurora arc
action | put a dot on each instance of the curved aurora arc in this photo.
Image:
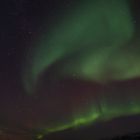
(89, 42)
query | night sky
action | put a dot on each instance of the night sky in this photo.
(69, 69)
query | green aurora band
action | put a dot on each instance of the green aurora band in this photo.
(89, 42)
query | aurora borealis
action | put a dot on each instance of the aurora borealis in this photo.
(94, 42)
(84, 41)
(69, 69)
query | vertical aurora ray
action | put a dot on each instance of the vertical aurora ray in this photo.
(89, 42)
